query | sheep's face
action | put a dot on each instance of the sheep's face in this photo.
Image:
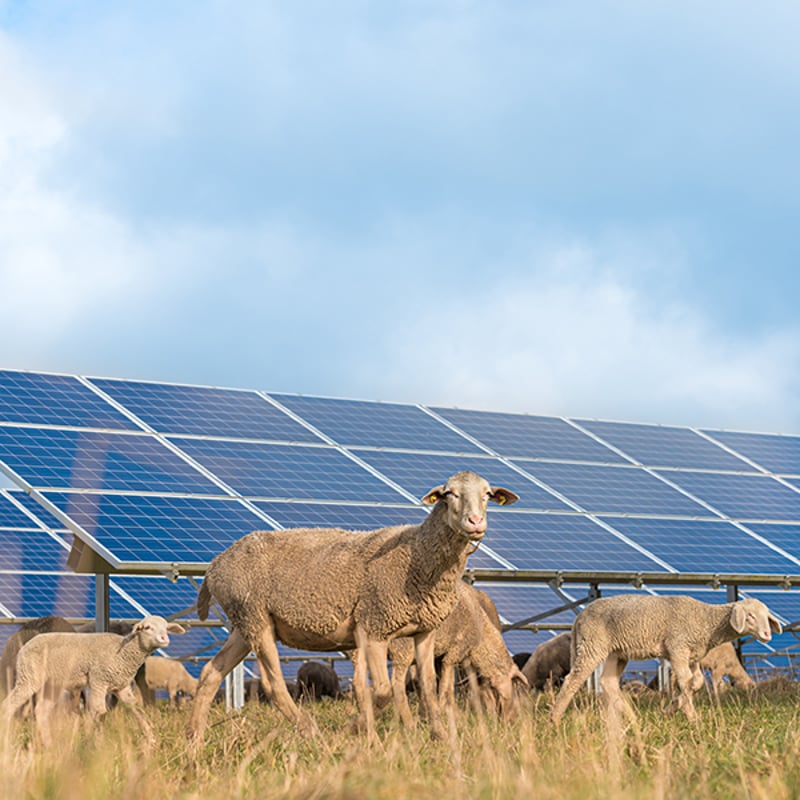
(752, 618)
(467, 495)
(153, 632)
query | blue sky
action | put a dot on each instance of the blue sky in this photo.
(582, 209)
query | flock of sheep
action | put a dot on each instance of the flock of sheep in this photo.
(393, 594)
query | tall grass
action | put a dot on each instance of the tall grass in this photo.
(744, 746)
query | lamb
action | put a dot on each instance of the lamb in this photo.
(549, 663)
(469, 637)
(316, 680)
(15, 642)
(679, 628)
(170, 675)
(721, 661)
(52, 663)
(327, 589)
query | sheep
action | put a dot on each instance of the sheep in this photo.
(170, 675)
(549, 663)
(679, 628)
(721, 661)
(316, 680)
(51, 663)
(26, 632)
(467, 636)
(327, 589)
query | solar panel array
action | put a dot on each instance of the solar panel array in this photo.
(159, 478)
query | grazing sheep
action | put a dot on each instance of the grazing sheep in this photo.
(549, 662)
(170, 675)
(466, 637)
(26, 632)
(681, 629)
(316, 680)
(52, 663)
(521, 659)
(721, 661)
(326, 589)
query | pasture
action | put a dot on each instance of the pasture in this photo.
(743, 746)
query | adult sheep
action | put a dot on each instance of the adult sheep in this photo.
(549, 663)
(316, 680)
(467, 637)
(52, 663)
(327, 589)
(679, 628)
(171, 676)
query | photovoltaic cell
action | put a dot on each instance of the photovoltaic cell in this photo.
(37, 509)
(31, 550)
(420, 472)
(160, 529)
(38, 399)
(11, 516)
(613, 489)
(356, 423)
(704, 546)
(155, 594)
(233, 413)
(74, 459)
(41, 594)
(349, 517)
(561, 541)
(741, 496)
(288, 471)
(660, 446)
(773, 452)
(526, 436)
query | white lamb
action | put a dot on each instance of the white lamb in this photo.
(52, 663)
(681, 629)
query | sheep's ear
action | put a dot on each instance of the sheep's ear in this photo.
(774, 624)
(174, 627)
(138, 626)
(738, 617)
(503, 497)
(433, 495)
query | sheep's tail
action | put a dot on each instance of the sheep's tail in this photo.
(203, 601)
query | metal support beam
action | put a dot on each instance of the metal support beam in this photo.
(101, 605)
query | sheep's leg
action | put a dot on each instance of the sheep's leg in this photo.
(424, 647)
(366, 714)
(399, 674)
(685, 679)
(447, 688)
(609, 681)
(376, 652)
(129, 697)
(269, 662)
(577, 676)
(232, 653)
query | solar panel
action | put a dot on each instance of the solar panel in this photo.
(775, 453)
(659, 446)
(75, 459)
(786, 536)
(357, 423)
(527, 436)
(199, 410)
(12, 516)
(39, 399)
(349, 517)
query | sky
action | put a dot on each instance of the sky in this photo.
(574, 209)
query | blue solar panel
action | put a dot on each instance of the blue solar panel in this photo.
(741, 496)
(159, 529)
(704, 546)
(420, 472)
(31, 550)
(527, 436)
(201, 410)
(787, 536)
(155, 594)
(658, 446)
(41, 594)
(613, 489)
(775, 453)
(11, 516)
(288, 471)
(561, 541)
(34, 507)
(72, 459)
(38, 399)
(356, 423)
(349, 517)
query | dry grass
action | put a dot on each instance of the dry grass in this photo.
(746, 746)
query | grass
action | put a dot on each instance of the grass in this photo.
(744, 746)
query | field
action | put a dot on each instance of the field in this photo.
(745, 746)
